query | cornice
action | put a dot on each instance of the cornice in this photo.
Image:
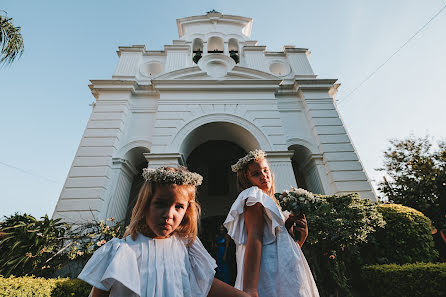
(131, 49)
(256, 48)
(293, 50)
(217, 17)
(328, 85)
(274, 54)
(176, 47)
(116, 85)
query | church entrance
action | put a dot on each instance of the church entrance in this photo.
(213, 160)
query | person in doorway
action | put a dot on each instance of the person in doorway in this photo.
(222, 241)
(160, 255)
(269, 262)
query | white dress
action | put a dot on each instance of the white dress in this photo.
(284, 271)
(148, 267)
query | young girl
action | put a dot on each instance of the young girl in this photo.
(269, 262)
(160, 254)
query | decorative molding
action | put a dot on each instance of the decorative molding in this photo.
(143, 143)
(302, 142)
(118, 85)
(215, 18)
(187, 128)
(279, 156)
(124, 165)
(156, 160)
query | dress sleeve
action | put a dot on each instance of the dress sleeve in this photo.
(235, 221)
(113, 263)
(202, 269)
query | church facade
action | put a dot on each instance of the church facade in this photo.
(203, 102)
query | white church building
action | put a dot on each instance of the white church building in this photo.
(203, 102)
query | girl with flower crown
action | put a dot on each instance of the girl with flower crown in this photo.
(269, 262)
(160, 255)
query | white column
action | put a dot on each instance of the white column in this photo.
(157, 160)
(280, 163)
(226, 48)
(205, 48)
(313, 169)
(121, 184)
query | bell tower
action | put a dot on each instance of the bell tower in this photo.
(204, 101)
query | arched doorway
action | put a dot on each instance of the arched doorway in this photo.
(213, 160)
(210, 150)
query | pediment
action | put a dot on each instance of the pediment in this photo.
(217, 67)
(237, 73)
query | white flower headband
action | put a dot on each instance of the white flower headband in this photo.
(252, 155)
(165, 175)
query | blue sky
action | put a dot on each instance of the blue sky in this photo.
(45, 96)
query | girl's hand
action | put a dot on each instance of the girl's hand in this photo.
(95, 292)
(297, 227)
(252, 292)
(221, 289)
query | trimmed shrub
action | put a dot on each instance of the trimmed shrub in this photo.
(41, 287)
(338, 228)
(71, 287)
(406, 238)
(408, 280)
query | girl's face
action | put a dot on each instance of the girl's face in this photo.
(167, 209)
(259, 175)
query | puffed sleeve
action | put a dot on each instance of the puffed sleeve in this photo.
(115, 263)
(235, 221)
(202, 267)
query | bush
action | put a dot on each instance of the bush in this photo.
(406, 238)
(71, 287)
(409, 280)
(41, 287)
(43, 247)
(28, 245)
(338, 227)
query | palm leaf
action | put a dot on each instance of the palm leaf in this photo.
(11, 40)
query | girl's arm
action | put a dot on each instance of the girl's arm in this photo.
(99, 293)
(221, 289)
(254, 227)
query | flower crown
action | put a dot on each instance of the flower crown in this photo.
(252, 155)
(166, 175)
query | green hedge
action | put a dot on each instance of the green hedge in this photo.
(40, 287)
(406, 238)
(408, 280)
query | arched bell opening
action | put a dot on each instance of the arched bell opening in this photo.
(305, 169)
(215, 45)
(234, 50)
(197, 50)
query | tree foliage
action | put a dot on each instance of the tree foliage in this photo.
(416, 173)
(11, 40)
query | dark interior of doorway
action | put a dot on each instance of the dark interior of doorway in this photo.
(213, 160)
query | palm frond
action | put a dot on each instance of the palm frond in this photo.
(11, 40)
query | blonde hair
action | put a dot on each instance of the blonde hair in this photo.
(188, 227)
(243, 181)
